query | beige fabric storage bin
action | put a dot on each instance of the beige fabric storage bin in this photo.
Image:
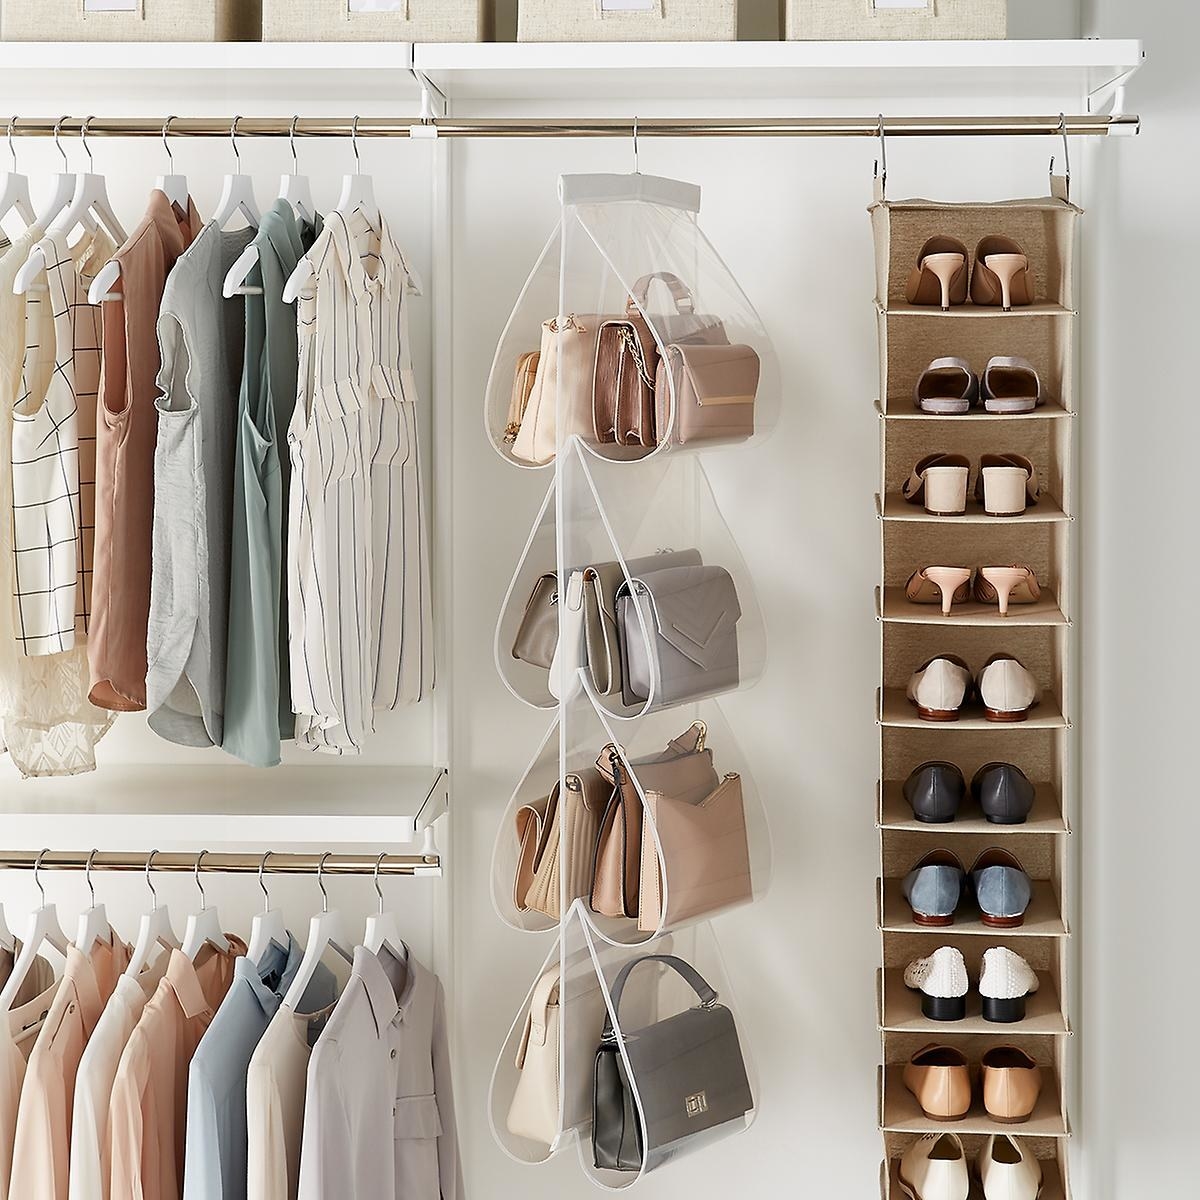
(374, 20)
(130, 20)
(627, 20)
(895, 20)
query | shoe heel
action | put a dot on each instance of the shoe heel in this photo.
(947, 580)
(944, 1008)
(944, 267)
(1003, 1012)
(1006, 267)
(946, 490)
(1004, 580)
(1003, 490)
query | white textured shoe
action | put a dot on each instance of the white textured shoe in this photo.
(1004, 983)
(942, 981)
(935, 1168)
(939, 688)
(1007, 1171)
(1007, 689)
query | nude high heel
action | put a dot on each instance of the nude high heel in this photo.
(947, 584)
(1005, 585)
(940, 276)
(1001, 276)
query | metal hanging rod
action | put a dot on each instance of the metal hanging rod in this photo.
(223, 864)
(1091, 125)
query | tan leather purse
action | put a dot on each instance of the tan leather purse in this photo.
(533, 1113)
(623, 387)
(568, 818)
(523, 380)
(684, 769)
(715, 387)
(537, 635)
(707, 855)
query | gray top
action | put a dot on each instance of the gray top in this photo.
(215, 1146)
(201, 339)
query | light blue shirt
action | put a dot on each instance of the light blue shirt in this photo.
(214, 1163)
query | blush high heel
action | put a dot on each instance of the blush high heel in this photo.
(931, 585)
(1007, 585)
(1001, 276)
(940, 276)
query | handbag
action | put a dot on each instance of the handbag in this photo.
(523, 380)
(688, 1070)
(623, 385)
(684, 769)
(537, 635)
(713, 387)
(684, 324)
(533, 1113)
(557, 836)
(707, 856)
(689, 647)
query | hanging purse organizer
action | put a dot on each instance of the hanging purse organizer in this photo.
(630, 612)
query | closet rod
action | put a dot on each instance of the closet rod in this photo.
(224, 864)
(1090, 125)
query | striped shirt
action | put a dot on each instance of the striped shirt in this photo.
(360, 634)
(54, 448)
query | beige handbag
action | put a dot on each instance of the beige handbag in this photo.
(714, 388)
(570, 817)
(706, 852)
(533, 1113)
(537, 635)
(523, 380)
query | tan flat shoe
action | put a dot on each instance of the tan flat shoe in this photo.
(944, 585)
(1001, 277)
(940, 276)
(938, 1076)
(1012, 1082)
(1014, 584)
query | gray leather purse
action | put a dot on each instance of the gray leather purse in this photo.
(688, 1072)
(690, 647)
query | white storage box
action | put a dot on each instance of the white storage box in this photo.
(374, 20)
(895, 20)
(627, 20)
(130, 20)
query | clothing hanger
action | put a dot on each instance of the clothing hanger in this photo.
(358, 197)
(203, 927)
(383, 928)
(237, 195)
(267, 928)
(93, 924)
(154, 930)
(43, 928)
(14, 187)
(64, 185)
(325, 932)
(7, 940)
(175, 187)
(89, 207)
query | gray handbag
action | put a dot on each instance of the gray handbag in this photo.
(688, 1071)
(690, 646)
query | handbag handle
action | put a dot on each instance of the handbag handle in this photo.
(692, 977)
(537, 1020)
(680, 293)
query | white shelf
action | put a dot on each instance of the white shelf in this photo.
(224, 807)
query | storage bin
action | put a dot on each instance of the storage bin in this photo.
(895, 20)
(374, 20)
(627, 20)
(130, 20)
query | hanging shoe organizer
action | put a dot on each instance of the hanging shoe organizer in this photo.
(627, 551)
(1038, 634)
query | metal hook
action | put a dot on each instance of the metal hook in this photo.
(1062, 132)
(57, 143)
(378, 888)
(196, 876)
(354, 143)
(881, 161)
(12, 124)
(87, 876)
(636, 171)
(166, 146)
(37, 874)
(321, 881)
(83, 132)
(261, 867)
(233, 141)
(153, 893)
(292, 143)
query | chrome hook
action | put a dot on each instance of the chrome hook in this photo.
(87, 876)
(1062, 132)
(881, 162)
(636, 169)
(378, 887)
(153, 893)
(354, 143)
(83, 132)
(12, 124)
(57, 143)
(261, 867)
(196, 876)
(37, 873)
(292, 143)
(233, 142)
(321, 881)
(166, 146)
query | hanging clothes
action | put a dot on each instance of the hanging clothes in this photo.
(214, 1159)
(258, 693)
(42, 1146)
(379, 1110)
(360, 622)
(46, 720)
(200, 337)
(125, 447)
(149, 1097)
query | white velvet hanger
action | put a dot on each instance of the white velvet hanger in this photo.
(325, 932)
(43, 928)
(174, 187)
(203, 927)
(154, 930)
(267, 928)
(14, 187)
(93, 924)
(237, 193)
(383, 928)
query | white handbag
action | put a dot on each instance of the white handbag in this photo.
(533, 1113)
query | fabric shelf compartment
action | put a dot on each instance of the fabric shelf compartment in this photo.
(375, 20)
(1051, 1153)
(627, 20)
(131, 20)
(895, 20)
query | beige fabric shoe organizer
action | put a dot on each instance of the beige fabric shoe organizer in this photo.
(130, 20)
(1039, 635)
